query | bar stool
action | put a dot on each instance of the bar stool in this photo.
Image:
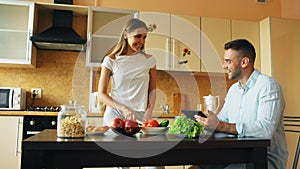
(292, 124)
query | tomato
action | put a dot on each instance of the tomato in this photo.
(145, 124)
(153, 123)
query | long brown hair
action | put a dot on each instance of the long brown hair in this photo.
(122, 45)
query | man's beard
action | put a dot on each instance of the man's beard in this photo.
(236, 73)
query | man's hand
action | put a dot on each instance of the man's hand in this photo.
(211, 122)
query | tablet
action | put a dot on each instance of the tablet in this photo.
(191, 113)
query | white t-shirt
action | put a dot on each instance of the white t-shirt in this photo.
(130, 79)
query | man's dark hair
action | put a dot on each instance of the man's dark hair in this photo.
(245, 48)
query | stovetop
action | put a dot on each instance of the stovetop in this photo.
(44, 108)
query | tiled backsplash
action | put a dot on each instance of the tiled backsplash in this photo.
(190, 87)
(63, 76)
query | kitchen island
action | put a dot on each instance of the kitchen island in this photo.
(46, 150)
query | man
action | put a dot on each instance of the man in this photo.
(253, 106)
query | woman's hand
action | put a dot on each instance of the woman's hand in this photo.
(129, 114)
(148, 115)
(211, 122)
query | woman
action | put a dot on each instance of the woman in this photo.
(133, 74)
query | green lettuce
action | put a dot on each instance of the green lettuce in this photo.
(185, 126)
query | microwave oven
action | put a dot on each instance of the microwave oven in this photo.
(12, 98)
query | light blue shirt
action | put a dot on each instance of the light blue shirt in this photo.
(257, 110)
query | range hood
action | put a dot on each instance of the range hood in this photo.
(60, 36)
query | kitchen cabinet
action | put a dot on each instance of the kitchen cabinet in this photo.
(204, 37)
(158, 39)
(103, 32)
(185, 34)
(215, 32)
(249, 30)
(11, 127)
(16, 28)
(280, 39)
(168, 36)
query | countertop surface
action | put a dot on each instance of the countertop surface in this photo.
(44, 113)
(38, 113)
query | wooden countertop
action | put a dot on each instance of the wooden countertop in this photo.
(38, 113)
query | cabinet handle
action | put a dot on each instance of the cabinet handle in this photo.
(183, 62)
(88, 46)
(28, 56)
(17, 140)
(167, 54)
(173, 53)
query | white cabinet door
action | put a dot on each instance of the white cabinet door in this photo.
(11, 127)
(104, 30)
(158, 39)
(185, 46)
(16, 27)
(171, 35)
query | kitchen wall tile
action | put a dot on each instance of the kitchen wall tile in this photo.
(62, 75)
(54, 74)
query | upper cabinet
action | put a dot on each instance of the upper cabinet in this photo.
(178, 42)
(158, 38)
(247, 30)
(185, 34)
(21, 21)
(16, 28)
(172, 40)
(215, 32)
(103, 32)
